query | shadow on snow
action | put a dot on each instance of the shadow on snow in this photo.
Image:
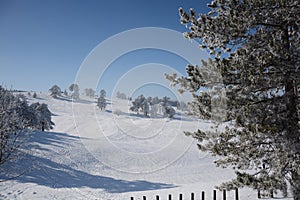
(47, 172)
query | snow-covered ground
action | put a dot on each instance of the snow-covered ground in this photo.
(101, 155)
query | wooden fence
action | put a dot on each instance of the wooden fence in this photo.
(192, 196)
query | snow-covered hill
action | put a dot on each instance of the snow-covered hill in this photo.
(101, 155)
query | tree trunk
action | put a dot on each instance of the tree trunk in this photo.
(292, 114)
(292, 137)
(291, 94)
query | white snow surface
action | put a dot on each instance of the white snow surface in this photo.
(100, 155)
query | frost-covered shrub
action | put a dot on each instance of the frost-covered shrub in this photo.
(16, 117)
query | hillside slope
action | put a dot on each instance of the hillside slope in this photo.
(100, 155)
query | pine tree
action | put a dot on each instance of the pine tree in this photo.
(121, 95)
(103, 93)
(169, 112)
(101, 100)
(138, 104)
(34, 95)
(74, 88)
(254, 74)
(66, 93)
(154, 103)
(89, 92)
(43, 115)
(182, 106)
(153, 110)
(146, 108)
(11, 124)
(16, 119)
(55, 91)
(165, 101)
(155, 100)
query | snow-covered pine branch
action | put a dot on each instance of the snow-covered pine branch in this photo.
(254, 47)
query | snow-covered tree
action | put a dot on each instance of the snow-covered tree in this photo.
(255, 50)
(34, 95)
(167, 109)
(15, 119)
(149, 100)
(153, 106)
(89, 92)
(101, 100)
(155, 100)
(121, 95)
(55, 91)
(74, 88)
(154, 110)
(169, 112)
(12, 124)
(66, 93)
(103, 93)
(182, 106)
(138, 104)
(24, 112)
(42, 116)
(165, 101)
(146, 108)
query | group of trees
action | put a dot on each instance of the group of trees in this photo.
(140, 103)
(74, 88)
(34, 94)
(89, 92)
(16, 118)
(151, 106)
(253, 80)
(55, 91)
(121, 95)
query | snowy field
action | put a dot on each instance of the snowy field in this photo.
(101, 155)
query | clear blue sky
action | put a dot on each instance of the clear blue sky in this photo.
(44, 42)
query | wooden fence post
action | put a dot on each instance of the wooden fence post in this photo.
(224, 194)
(215, 195)
(236, 194)
(203, 195)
